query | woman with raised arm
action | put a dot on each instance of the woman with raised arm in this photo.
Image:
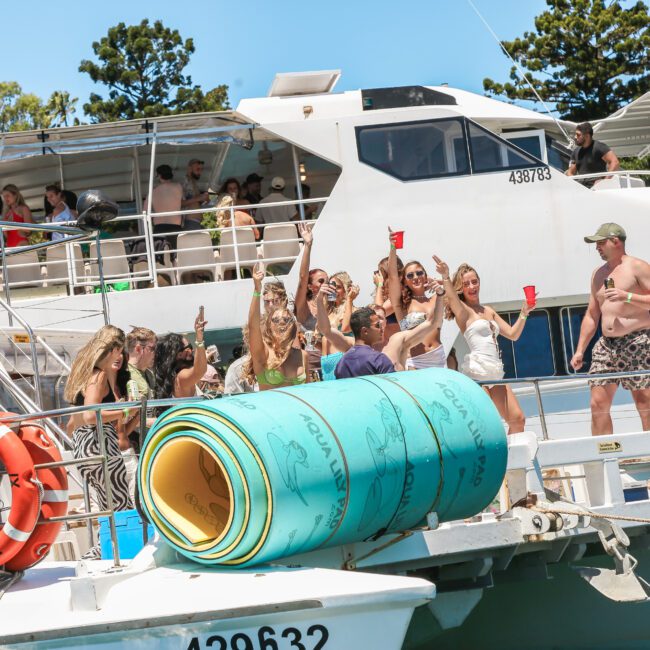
(381, 281)
(177, 368)
(481, 325)
(93, 380)
(411, 304)
(274, 361)
(309, 283)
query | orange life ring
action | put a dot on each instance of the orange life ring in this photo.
(24, 495)
(54, 502)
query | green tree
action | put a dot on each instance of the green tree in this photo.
(143, 67)
(588, 57)
(60, 107)
(21, 111)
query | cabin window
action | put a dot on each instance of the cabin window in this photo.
(415, 150)
(571, 319)
(492, 154)
(532, 355)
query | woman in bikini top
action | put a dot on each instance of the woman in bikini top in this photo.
(274, 361)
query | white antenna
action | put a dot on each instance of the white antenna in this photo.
(521, 72)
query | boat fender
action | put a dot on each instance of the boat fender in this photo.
(25, 497)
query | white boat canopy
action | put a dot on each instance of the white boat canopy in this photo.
(627, 131)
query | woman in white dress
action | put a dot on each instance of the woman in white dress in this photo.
(481, 326)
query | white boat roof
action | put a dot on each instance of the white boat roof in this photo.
(627, 131)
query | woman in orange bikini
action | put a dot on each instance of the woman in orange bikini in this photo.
(15, 210)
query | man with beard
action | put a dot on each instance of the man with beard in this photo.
(193, 197)
(620, 298)
(177, 368)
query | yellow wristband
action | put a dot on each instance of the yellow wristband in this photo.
(629, 297)
(257, 294)
(522, 316)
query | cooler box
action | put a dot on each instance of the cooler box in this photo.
(129, 534)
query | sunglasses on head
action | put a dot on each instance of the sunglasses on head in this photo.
(187, 347)
(414, 274)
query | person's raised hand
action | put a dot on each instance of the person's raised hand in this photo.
(577, 361)
(441, 267)
(391, 237)
(353, 292)
(437, 287)
(326, 291)
(378, 278)
(305, 231)
(199, 326)
(258, 275)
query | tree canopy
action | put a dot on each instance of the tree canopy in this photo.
(588, 57)
(143, 66)
(20, 111)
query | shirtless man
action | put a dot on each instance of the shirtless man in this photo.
(624, 311)
(166, 197)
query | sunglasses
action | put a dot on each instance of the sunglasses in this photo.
(320, 281)
(187, 347)
(282, 320)
(414, 274)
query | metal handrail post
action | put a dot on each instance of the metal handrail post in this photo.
(109, 490)
(102, 284)
(151, 249)
(296, 173)
(5, 279)
(540, 407)
(89, 523)
(234, 240)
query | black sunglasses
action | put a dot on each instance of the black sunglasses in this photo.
(187, 347)
(414, 274)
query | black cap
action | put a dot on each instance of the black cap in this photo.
(254, 178)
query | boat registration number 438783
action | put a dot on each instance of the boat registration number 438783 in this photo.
(534, 175)
(265, 638)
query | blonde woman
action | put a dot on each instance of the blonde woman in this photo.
(224, 214)
(15, 210)
(274, 361)
(93, 380)
(481, 327)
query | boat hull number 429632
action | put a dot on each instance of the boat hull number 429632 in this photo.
(534, 175)
(266, 638)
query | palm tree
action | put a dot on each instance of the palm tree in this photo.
(60, 107)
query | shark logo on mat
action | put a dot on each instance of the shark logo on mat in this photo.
(288, 456)
(390, 419)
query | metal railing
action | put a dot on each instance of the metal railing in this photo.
(101, 458)
(99, 270)
(535, 382)
(624, 174)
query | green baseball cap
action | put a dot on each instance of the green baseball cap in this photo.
(606, 231)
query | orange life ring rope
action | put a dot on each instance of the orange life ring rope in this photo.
(25, 499)
(54, 502)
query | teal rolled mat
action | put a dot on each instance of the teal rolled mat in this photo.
(256, 477)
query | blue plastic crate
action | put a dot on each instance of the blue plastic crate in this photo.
(129, 534)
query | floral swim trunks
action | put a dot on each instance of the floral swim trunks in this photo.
(622, 354)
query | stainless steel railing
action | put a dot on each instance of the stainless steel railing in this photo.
(535, 382)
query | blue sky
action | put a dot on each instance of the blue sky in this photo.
(244, 44)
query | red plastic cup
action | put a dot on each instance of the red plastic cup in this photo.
(530, 294)
(398, 238)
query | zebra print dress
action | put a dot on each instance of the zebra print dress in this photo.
(86, 443)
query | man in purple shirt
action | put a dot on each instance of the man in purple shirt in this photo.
(361, 359)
